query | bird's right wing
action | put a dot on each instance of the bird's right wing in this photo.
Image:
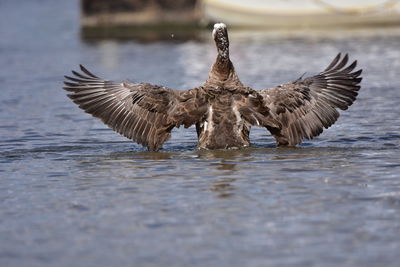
(142, 112)
(305, 107)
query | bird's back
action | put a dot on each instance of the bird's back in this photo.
(223, 125)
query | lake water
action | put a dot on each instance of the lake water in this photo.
(74, 193)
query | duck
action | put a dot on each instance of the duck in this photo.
(222, 109)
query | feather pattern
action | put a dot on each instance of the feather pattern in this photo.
(305, 107)
(142, 112)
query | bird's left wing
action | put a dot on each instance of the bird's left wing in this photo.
(142, 112)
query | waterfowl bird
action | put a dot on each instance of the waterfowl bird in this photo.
(223, 109)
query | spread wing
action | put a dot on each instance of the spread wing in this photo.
(305, 107)
(142, 112)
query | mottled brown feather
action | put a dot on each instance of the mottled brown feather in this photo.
(142, 112)
(305, 107)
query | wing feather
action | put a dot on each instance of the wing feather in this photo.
(305, 107)
(142, 112)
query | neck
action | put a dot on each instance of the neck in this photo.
(222, 72)
(222, 69)
(223, 65)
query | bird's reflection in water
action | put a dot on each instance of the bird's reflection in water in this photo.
(227, 163)
(225, 160)
(227, 154)
(223, 187)
(151, 155)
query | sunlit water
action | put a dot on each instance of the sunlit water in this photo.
(74, 193)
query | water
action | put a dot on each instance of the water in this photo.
(73, 192)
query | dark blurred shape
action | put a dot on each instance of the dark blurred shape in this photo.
(139, 19)
(90, 7)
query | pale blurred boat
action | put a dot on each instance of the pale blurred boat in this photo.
(303, 13)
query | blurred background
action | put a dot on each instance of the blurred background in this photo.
(73, 192)
(125, 18)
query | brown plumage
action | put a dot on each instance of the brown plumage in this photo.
(223, 109)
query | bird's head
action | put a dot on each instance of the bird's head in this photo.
(222, 71)
(220, 35)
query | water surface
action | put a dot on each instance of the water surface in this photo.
(73, 192)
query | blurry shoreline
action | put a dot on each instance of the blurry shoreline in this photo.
(187, 19)
(195, 32)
